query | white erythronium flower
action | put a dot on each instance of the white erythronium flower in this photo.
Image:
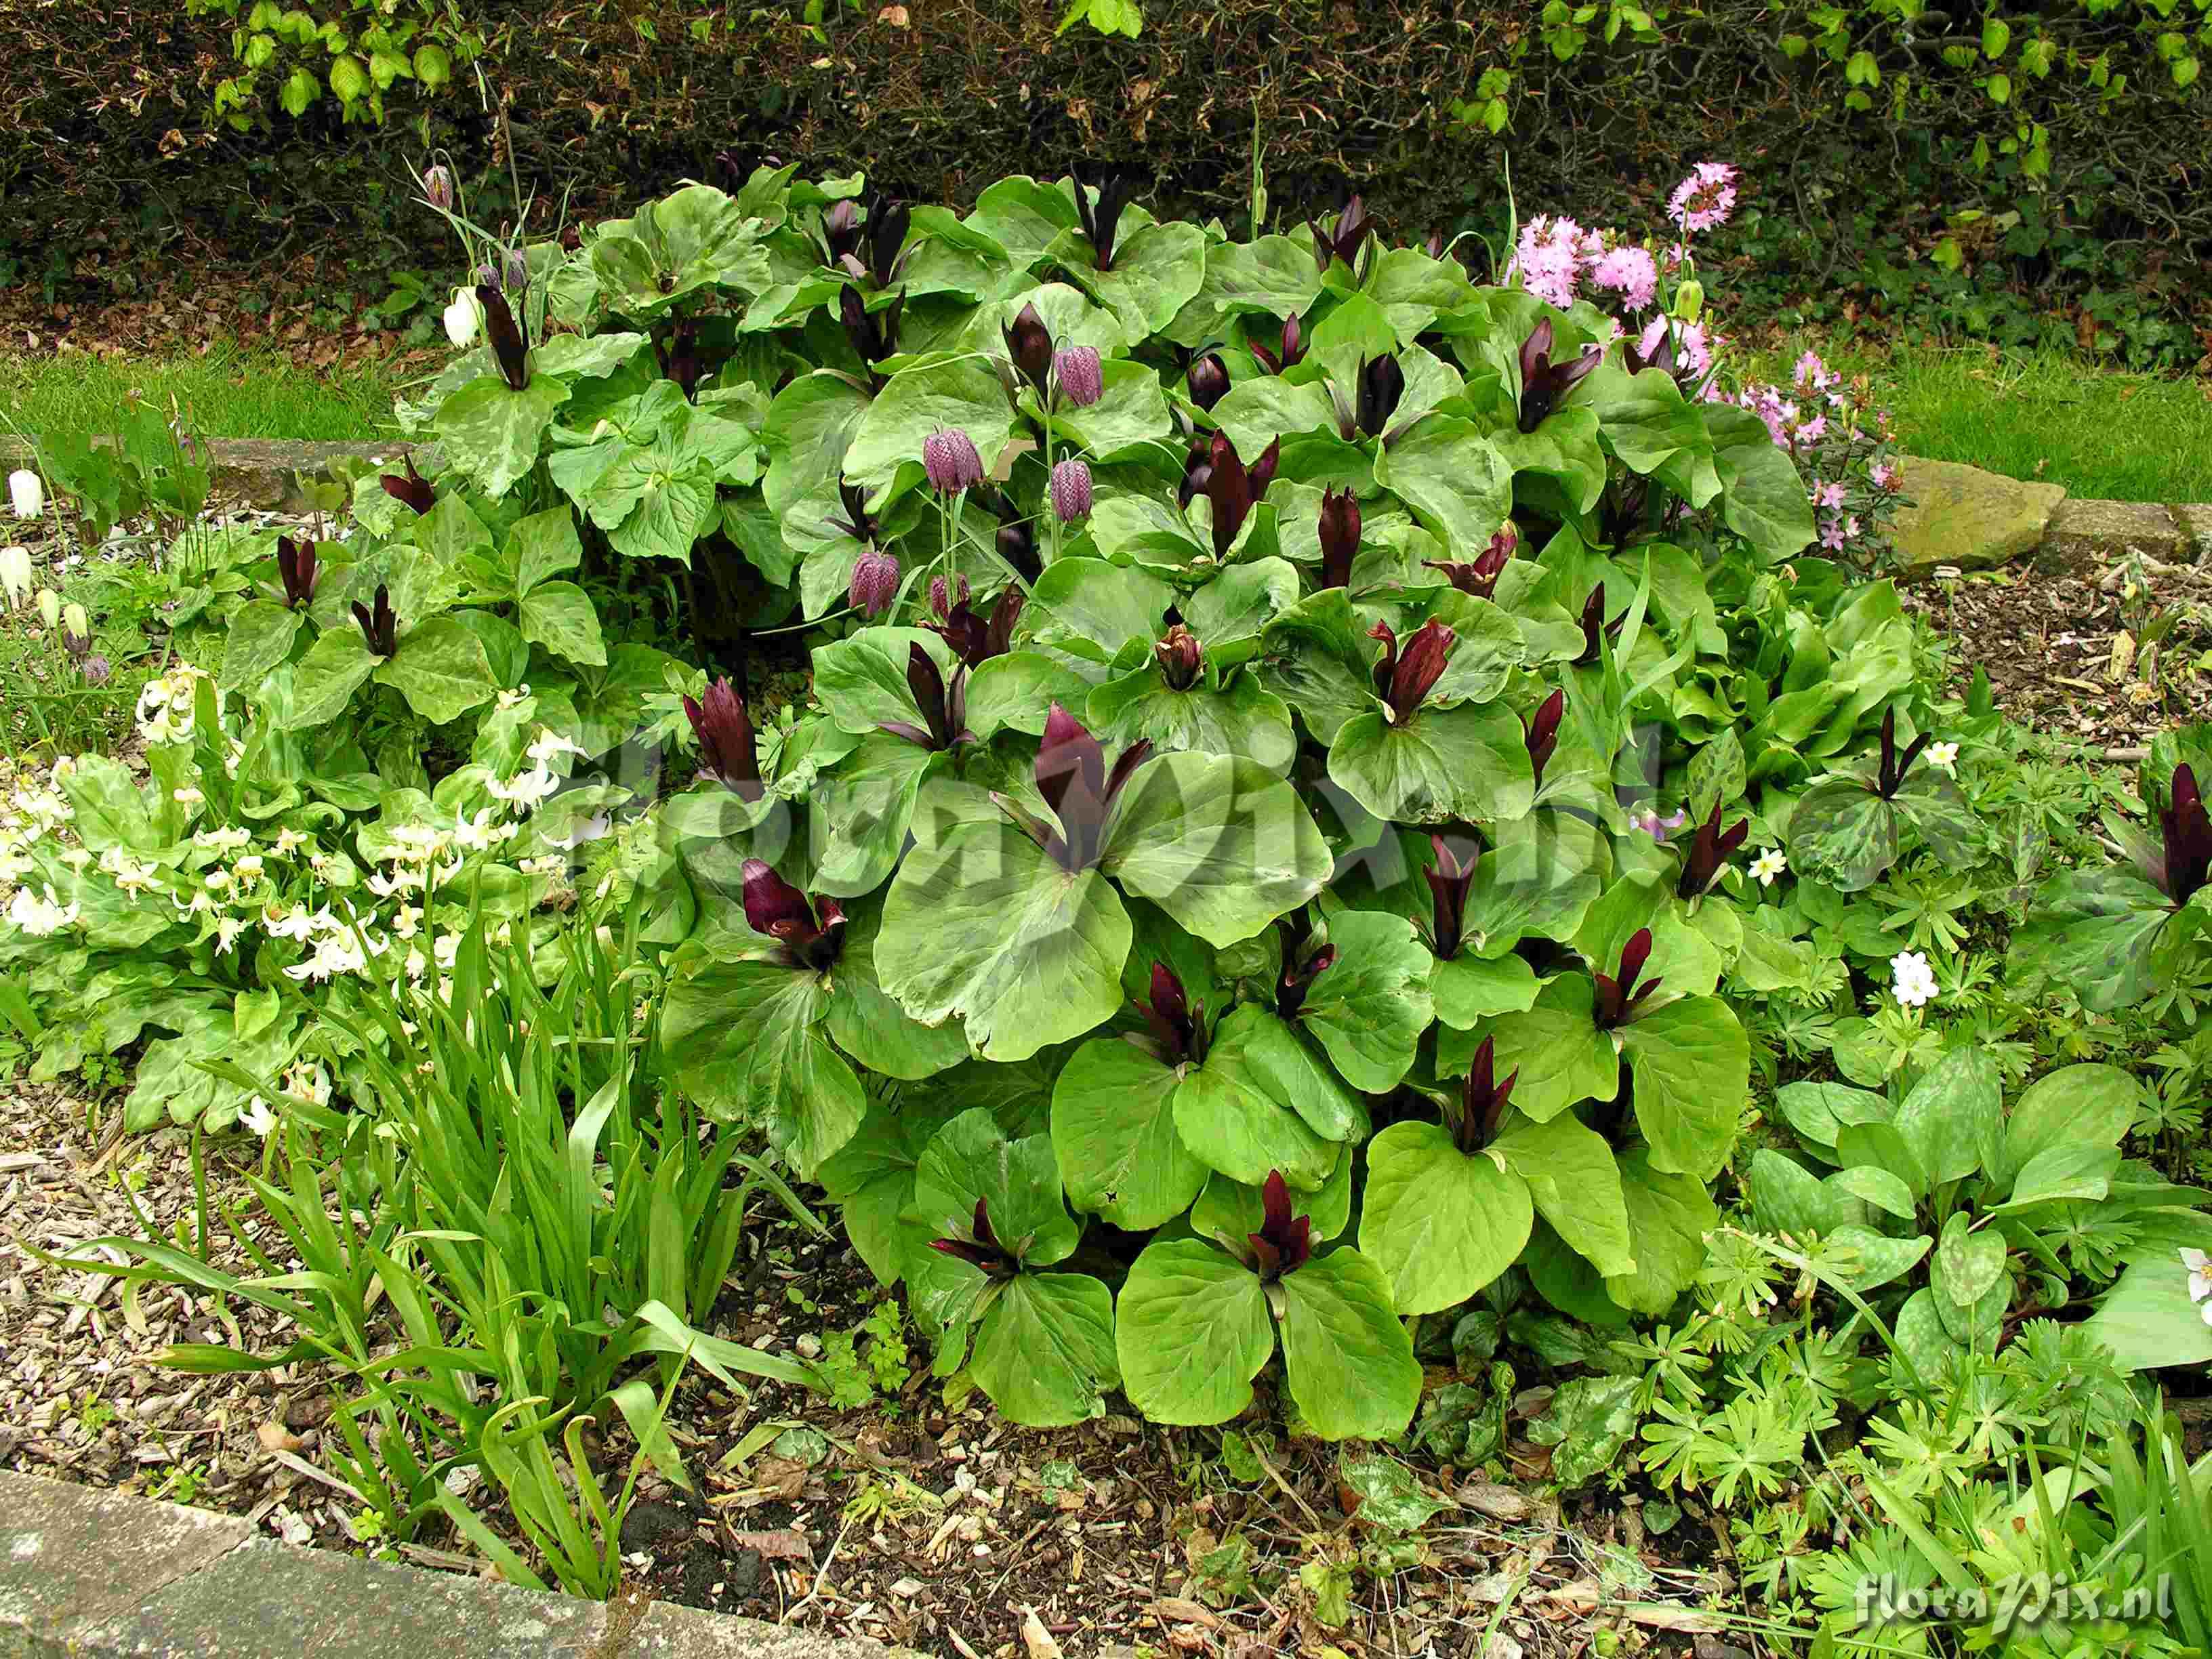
(406, 921)
(1914, 980)
(227, 930)
(294, 923)
(1944, 757)
(447, 946)
(464, 317)
(2200, 1274)
(508, 699)
(26, 493)
(134, 876)
(258, 1118)
(249, 868)
(1768, 864)
(417, 964)
(549, 743)
(40, 917)
(309, 1082)
(288, 843)
(222, 841)
(526, 789)
(186, 796)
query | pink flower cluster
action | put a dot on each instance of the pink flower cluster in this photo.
(1840, 444)
(1704, 200)
(1555, 256)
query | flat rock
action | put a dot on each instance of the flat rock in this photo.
(2085, 537)
(2195, 519)
(1970, 520)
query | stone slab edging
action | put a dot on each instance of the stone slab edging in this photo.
(86, 1573)
(1961, 517)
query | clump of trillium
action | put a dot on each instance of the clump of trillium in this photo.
(1379, 386)
(809, 931)
(1071, 776)
(943, 704)
(869, 253)
(727, 752)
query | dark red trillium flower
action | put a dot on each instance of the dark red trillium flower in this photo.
(510, 346)
(1180, 657)
(1071, 776)
(841, 231)
(1661, 357)
(974, 639)
(1482, 1101)
(725, 734)
(856, 523)
(1099, 207)
(1340, 238)
(1595, 629)
(1283, 1244)
(873, 335)
(1340, 536)
(981, 1247)
(378, 625)
(1208, 380)
(1029, 347)
(943, 707)
(1449, 879)
(1197, 471)
(680, 360)
(1891, 777)
(414, 489)
(2184, 859)
(1293, 351)
(571, 238)
(1545, 384)
(1235, 489)
(1301, 967)
(1382, 384)
(1178, 1023)
(1479, 577)
(1622, 512)
(1709, 852)
(1617, 998)
(1542, 734)
(1403, 678)
(296, 568)
(875, 257)
(811, 931)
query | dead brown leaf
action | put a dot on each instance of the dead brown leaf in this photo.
(783, 1545)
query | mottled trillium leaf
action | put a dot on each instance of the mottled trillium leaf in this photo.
(1576, 1184)
(560, 617)
(492, 432)
(326, 679)
(1193, 1331)
(870, 1026)
(1556, 1046)
(1237, 720)
(260, 637)
(871, 1178)
(971, 1159)
(2104, 934)
(1843, 833)
(441, 669)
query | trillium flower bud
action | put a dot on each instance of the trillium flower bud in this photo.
(1340, 536)
(296, 565)
(949, 458)
(1208, 380)
(438, 189)
(1381, 383)
(2183, 860)
(1182, 658)
(26, 493)
(1545, 384)
(1079, 375)
(875, 582)
(840, 229)
(725, 734)
(414, 489)
(1028, 347)
(1071, 490)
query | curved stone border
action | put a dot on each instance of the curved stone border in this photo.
(1964, 519)
(88, 1572)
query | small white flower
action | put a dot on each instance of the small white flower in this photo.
(26, 492)
(1767, 865)
(309, 1082)
(218, 881)
(221, 841)
(526, 789)
(550, 743)
(248, 869)
(406, 921)
(447, 947)
(1913, 979)
(258, 1117)
(15, 578)
(294, 923)
(227, 930)
(464, 317)
(1944, 757)
(2200, 1274)
(417, 964)
(186, 796)
(40, 917)
(288, 843)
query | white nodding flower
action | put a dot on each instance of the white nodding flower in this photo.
(26, 493)
(549, 743)
(1944, 757)
(40, 917)
(1913, 981)
(464, 317)
(15, 577)
(1768, 864)
(258, 1118)
(227, 930)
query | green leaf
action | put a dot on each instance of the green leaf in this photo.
(326, 679)
(541, 546)
(1668, 1217)
(1467, 764)
(2148, 1319)
(2090, 1105)
(2101, 934)
(441, 669)
(934, 394)
(868, 1024)
(1881, 1261)
(559, 616)
(1349, 1361)
(1968, 1263)
(1692, 1065)
(1107, 604)
(1237, 720)
(260, 637)
(1843, 833)
(1262, 1102)
(110, 808)
(1762, 498)
(1192, 1333)
(2068, 1172)
(492, 432)
(1589, 1426)
(1819, 1111)
(1952, 1114)
(871, 1177)
(1114, 1129)
(1454, 480)
(1787, 1198)
(1371, 1005)
(1468, 989)
(1557, 1050)
(1439, 1224)
(1044, 1352)
(1220, 844)
(984, 926)
(742, 1038)
(861, 680)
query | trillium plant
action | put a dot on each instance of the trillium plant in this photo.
(1202, 907)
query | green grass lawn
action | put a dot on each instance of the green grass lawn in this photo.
(233, 391)
(2043, 414)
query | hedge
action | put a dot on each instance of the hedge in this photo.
(107, 131)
